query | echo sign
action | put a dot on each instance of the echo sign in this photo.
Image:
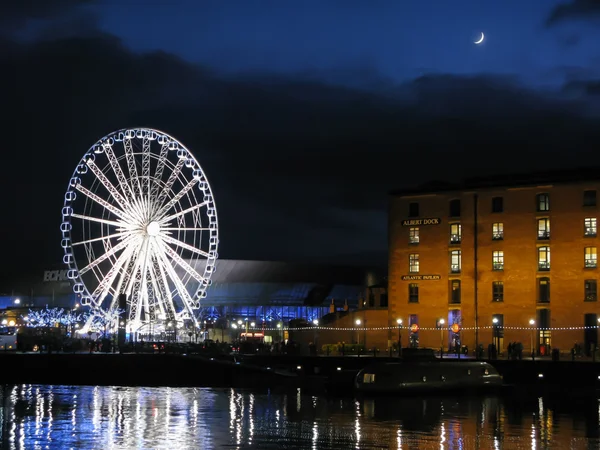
(55, 275)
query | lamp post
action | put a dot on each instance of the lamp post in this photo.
(495, 337)
(279, 334)
(532, 324)
(441, 322)
(358, 322)
(399, 322)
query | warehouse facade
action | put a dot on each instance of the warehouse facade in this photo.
(497, 260)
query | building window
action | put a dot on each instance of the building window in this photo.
(591, 258)
(413, 263)
(589, 198)
(383, 300)
(455, 208)
(543, 258)
(498, 291)
(543, 202)
(455, 233)
(591, 290)
(543, 290)
(455, 292)
(497, 204)
(413, 293)
(413, 209)
(413, 235)
(543, 232)
(590, 227)
(498, 231)
(498, 260)
(455, 261)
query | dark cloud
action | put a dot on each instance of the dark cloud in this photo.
(14, 14)
(585, 88)
(574, 10)
(300, 168)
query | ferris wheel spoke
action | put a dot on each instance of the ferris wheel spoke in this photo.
(179, 286)
(138, 208)
(130, 157)
(181, 244)
(146, 165)
(170, 182)
(159, 291)
(126, 274)
(103, 238)
(134, 290)
(167, 300)
(116, 167)
(113, 209)
(181, 263)
(185, 211)
(98, 220)
(103, 289)
(144, 293)
(160, 168)
(108, 185)
(106, 255)
(177, 197)
(153, 296)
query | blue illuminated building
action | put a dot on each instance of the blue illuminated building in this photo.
(256, 290)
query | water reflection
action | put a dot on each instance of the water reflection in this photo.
(35, 416)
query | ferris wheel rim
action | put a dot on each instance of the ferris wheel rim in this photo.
(160, 207)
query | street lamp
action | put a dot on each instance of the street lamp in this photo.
(17, 301)
(358, 322)
(399, 322)
(532, 324)
(495, 337)
(441, 322)
(316, 324)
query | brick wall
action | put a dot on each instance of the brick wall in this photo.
(520, 274)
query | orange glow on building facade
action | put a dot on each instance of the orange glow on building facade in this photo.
(507, 260)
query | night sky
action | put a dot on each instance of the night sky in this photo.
(304, 114)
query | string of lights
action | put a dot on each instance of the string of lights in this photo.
(395, 328)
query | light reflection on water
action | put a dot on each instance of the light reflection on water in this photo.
(39, 417)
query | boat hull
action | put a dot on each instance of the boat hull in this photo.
(427, 376)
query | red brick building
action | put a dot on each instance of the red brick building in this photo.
(507, 259)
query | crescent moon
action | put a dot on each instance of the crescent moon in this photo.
(481, 39)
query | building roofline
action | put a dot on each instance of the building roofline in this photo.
(524, 179)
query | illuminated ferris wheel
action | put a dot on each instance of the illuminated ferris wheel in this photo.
(139, 219)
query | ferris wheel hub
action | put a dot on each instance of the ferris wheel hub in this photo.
(152, 229)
